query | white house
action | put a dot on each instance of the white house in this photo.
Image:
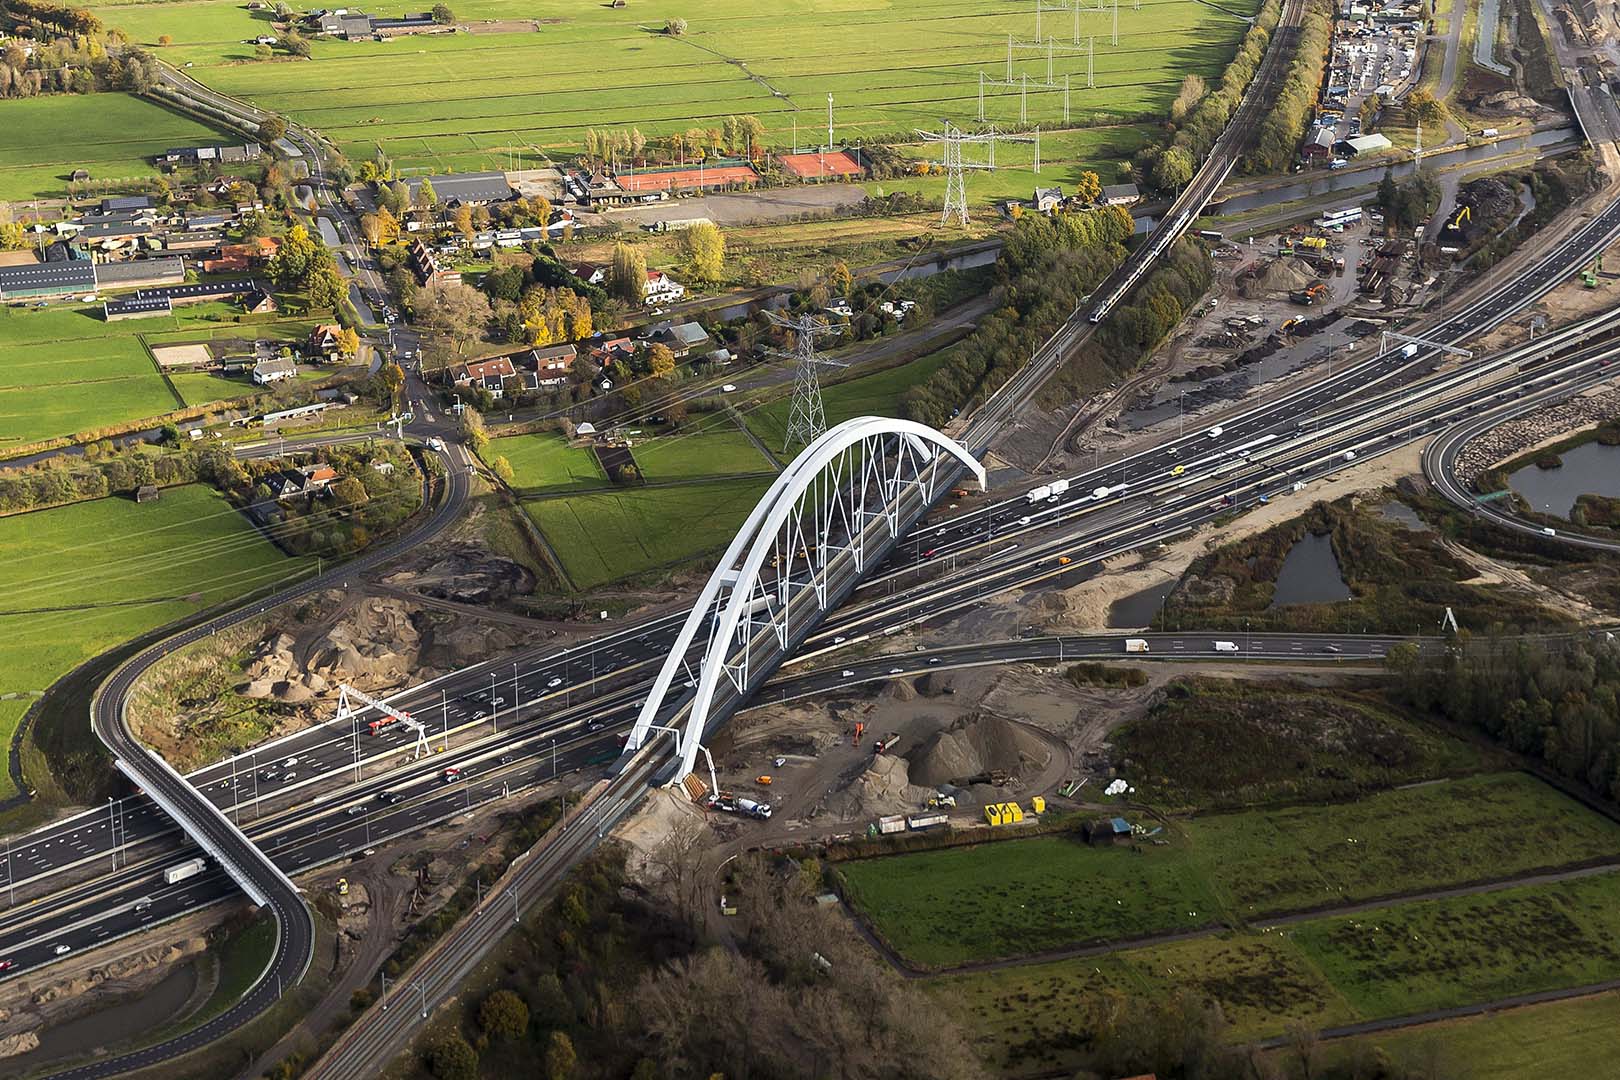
(663, 289)
(274, 369)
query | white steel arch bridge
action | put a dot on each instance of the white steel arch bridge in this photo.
(832, 514)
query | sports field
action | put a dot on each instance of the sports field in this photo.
(530, 85)
(112, 135)
(78, 579)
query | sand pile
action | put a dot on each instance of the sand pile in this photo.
(974, 746)
(885, 788)
(1284, 275)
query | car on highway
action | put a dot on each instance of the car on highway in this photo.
(7, 965)
(553, 683)
(357, 808)
(506, 759)
(1178, 470)
(933, 659)
(62, 950)
(289, 763)
(389, 797)
(267, 775)
(896, 671)
(847, 674)
(596, 725)
(1331, 648)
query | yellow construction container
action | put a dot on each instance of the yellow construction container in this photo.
(1038, 804)
(1011, 813)
(992, 813)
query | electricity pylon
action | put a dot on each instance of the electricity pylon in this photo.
(807, 418)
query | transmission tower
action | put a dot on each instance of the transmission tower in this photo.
(807, 419)
(951, 140)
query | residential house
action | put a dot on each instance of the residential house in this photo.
(680, 338)
(285, 484)
(427, 268)
(325, 342)
(608, 350)
(488, 374)
(258, 302)
(590, 273)
(274, 369)
(550, 366)
(1048, 200)
(239, 258)
(1318, 146)
(318, 477)
(1121, 195)
(663, 289)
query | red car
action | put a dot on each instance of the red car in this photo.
(7, 965)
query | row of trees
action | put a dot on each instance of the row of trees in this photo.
(107, 472)
(735, 137)
(73, 64)
(1282, 124)
(1045, 267)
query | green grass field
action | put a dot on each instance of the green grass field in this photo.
(877, 394)
(64, 370)
(1301, 857)
(601, 537)
(719, 450)
(545, 462)
(1562, 1038)
(1015, 897)
(79, 579)
(112, 135)
(468, 101)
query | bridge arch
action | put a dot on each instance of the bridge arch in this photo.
(838, 507)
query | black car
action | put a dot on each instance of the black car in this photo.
(507, 759)
(389, 797)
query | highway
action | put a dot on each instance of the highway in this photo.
(616, 797)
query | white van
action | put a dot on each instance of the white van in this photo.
(1226, 646)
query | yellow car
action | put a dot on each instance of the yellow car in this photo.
(1178, 470)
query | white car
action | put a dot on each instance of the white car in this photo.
(847, 674)
(729, 388)
(289, 763)
(62, 950)
(552, 684)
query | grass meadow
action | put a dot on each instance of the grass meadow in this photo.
(1387, 962)
(877, 394)
(603, 536)
(79, 579)
(1017, 897)
(549, 71)
(113, 135)
(64, 370)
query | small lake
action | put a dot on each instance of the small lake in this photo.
(130, 1018)
(1139, 609)
(1310, 574)
(1590, 469)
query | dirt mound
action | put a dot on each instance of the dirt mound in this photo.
(1282, 276)
(974, 746)
(466, 574)
(885, 788)
(1490, 200)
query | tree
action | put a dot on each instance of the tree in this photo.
(660, 361)
(294, 43)
(503, 1015)
(326, 288)
(262, 52)
(1088, 188)
(463, 221)
(294, 259)
(1422, 106)
(443, 15)
(453, 1058)
(426, 197)
(560, 1056)
(457, 311)
(272, 129)
(1191, 93)
(165, 40)
(503, 472)
(627, 274)
(1173, 169)
(705, 249)
(1371, 105)
(13, 237)
(840, 280)
(379, 228)
(349, 342)
(674, 27)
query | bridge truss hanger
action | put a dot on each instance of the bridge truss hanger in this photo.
(347, 711)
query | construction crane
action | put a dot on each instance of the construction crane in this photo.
(390, 716)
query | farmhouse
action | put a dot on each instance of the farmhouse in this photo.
(136, 307)
(1121, 195)
(663, 289)
(258, 302)
(465, 189)
(199, 155)
(274, 369)
(1047, 199)
(325, 342)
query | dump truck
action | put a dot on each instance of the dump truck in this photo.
(1136, 645)
(181, 871)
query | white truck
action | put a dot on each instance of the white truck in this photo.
(1059, 487)
(1035, 495)
(754, 809)
(1409, 350)
(181, 871)
(1136, 645)
(1226, 646)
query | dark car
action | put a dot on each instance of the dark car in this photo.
(389, 797)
